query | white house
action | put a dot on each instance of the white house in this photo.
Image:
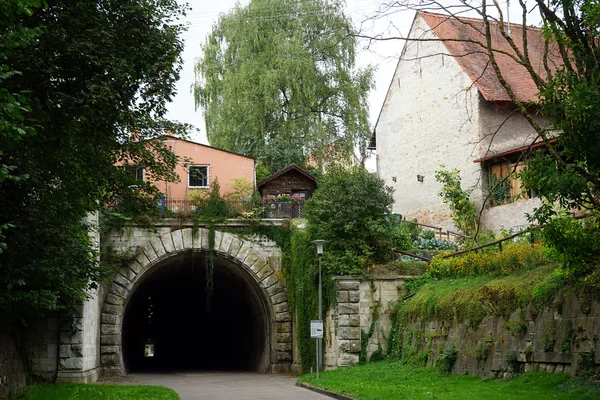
(445, 106)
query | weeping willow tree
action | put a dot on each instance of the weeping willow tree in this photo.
(277, 80)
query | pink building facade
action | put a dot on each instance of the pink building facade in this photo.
(201, 165)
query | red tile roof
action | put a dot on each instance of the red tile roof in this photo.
(458, 34)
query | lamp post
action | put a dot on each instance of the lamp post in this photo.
(319, 243)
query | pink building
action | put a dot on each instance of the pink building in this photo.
(204, 165)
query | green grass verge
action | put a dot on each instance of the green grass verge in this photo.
(474, 298)
(95, 392)
(393, 380)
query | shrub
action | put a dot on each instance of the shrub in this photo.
(446, 359)
(502, 263)
(350, 209)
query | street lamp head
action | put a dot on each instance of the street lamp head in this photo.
(320, 243)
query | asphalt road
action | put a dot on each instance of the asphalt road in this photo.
(227, 385)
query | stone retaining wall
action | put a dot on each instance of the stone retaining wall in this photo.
(563, 337)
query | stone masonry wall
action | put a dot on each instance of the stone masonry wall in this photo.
(563, 337)
(357, 299)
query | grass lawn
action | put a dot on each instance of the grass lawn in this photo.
(95, 392)
(393, 380)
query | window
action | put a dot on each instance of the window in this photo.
(504, 183)
(137, 172)
(198, 176)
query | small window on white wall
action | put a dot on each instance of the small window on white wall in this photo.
(198, 176)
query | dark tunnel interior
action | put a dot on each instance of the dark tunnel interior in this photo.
(170, 322)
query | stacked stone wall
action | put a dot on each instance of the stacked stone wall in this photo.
(563, 337)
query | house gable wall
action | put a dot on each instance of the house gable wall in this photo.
(429, 118)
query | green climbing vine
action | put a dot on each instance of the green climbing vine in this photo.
(212, 209)
(366, 336)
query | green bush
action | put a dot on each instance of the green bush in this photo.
(350, 209)
(446, 359)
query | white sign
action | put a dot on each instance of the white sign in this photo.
(316, 329)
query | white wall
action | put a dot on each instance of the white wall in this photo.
(429, 118)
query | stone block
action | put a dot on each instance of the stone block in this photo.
(354, 346)
(226, 242)
(284, 327)
(279, 308)
(65, 351)
(265, 271)
(110, 350)
(117, 290)
(114, 300)
(69, 337)
(283, 317)
(348, 285)
(141, 258)
(71, 364)
(158, 247)
(342, 296)
(71, 324)
(204, 238)
(109, 318)
(111, 329)
(269, 281)
(150, 253)
(218, 239)
(234, 247)
(348, 308)
(122, 280)
(279, 298)
(252, 257)
(353, 296)
(77, 350)
(347, 359)
(136, 267)
(283, 356)
(285, 337)
(283, 347)
(110, 340)
(349, 333)
(243, 253)
(129, 273)
(275, 289)
(188, 240)
(177, 240)
(109, 360)
(112, 309)
(167, 241)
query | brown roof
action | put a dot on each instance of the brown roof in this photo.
(283, 171)
(458, 34)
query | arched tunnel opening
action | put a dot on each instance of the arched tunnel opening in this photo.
(174, 321)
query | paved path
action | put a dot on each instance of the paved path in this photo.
(228, 385)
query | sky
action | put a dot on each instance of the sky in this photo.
(382, 55)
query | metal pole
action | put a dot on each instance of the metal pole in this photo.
(319, 340)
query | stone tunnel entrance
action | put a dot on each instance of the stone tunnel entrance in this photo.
(156, 313)
(172, 323)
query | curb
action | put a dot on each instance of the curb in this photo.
(325, 392)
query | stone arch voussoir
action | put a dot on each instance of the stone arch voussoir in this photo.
(249, 256)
